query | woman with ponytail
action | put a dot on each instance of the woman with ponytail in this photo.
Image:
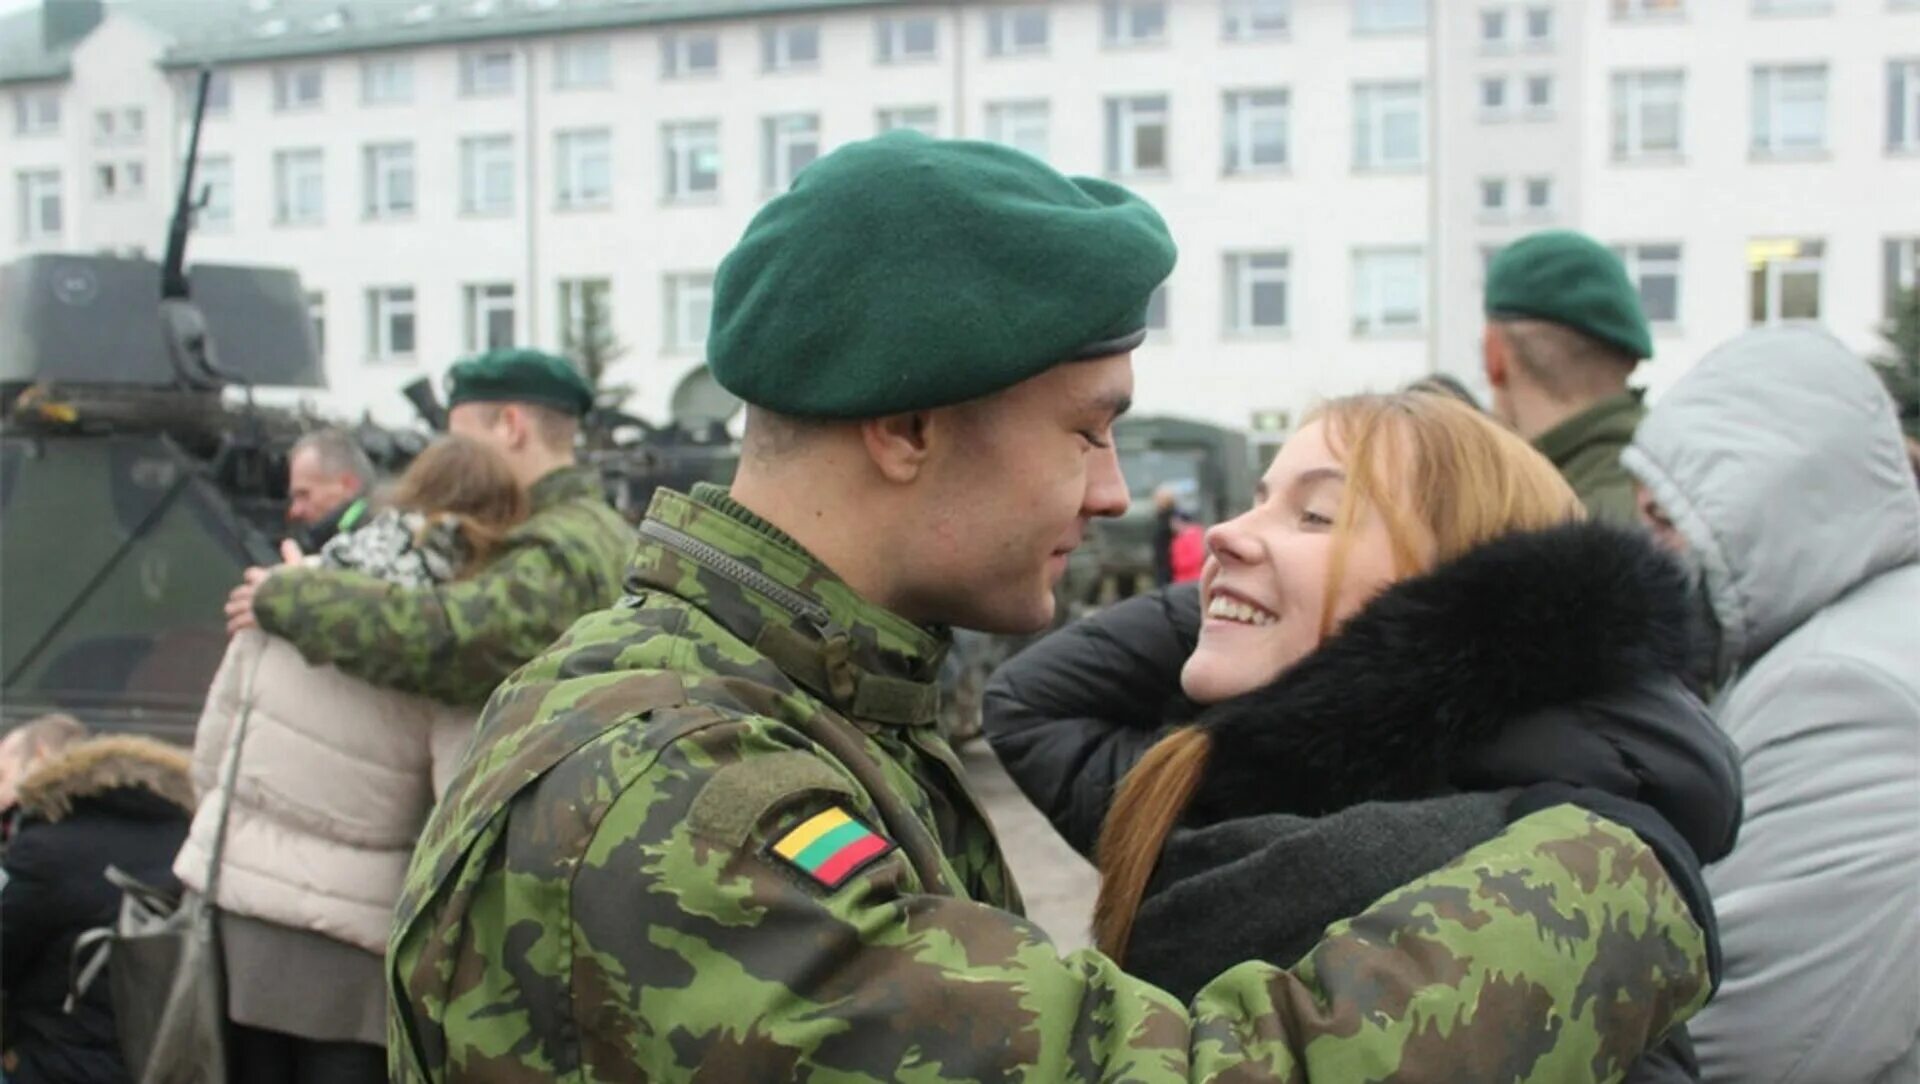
(1409, 640)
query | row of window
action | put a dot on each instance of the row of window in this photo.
(1389, 128)
(587, 63)
(490, 315)
(1788, 114)
(1389, 295)
(1633, 10)
(1648, 123)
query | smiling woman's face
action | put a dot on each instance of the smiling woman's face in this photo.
(1264, 591)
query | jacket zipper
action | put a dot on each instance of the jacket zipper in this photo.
(739, 571)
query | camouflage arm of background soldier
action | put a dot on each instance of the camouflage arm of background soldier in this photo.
(1558, 951)
(452, 643)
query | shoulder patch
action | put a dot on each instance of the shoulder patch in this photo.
(830, 846)
(740, 795)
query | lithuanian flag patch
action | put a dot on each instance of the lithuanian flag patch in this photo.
(830, 847)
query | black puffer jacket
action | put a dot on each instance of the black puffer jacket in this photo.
(118, 801)
(1548, 657)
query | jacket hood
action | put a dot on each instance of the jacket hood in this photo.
(1435, 667)
(1779, 458)
(104, 768)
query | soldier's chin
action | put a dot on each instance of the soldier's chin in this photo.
(1011, 617)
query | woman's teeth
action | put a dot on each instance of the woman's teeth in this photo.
(1228, 609)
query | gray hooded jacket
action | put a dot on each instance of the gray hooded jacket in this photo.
(1779, 459)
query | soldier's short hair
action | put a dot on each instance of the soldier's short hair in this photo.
(556, 429)
(770, 436)
(1568, 365)
(338, 453)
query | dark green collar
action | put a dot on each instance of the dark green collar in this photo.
(766, 589)
(564, 484)
(1610, 421)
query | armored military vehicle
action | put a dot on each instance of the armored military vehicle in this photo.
(134, 489)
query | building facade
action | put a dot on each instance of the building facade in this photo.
(449, 176)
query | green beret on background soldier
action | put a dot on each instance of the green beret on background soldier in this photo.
(713, 833)
(456, 641)
(1564, 332)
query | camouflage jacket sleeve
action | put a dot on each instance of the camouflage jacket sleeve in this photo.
(452, 643)
(692, 951)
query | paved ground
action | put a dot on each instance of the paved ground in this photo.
(1058, 884)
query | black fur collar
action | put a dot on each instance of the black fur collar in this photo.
(1435, 666)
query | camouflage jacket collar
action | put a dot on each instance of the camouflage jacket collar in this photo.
(563, 484)
(764, 588)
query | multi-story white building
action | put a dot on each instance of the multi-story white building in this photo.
(456, 174)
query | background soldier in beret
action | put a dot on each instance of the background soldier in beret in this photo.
(1564, 331)
(455, 642)
(714, 834)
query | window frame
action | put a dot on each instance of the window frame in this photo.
(679, 152)
(471, 61)
(1124, 15)
(573, 152)
(891, 35)
(292, 166)
(29, 106)
(388, 63)
(37, 188)
(1631, 99)
(1641, 266)
(1771, 143)
(1771, 275)
(1240, 115)
(482, 301)
(1370, 295)
(287, 78)
(480, 154)
(779, 137)
(776, 47)
(1243, 280)
(676, 52)
(384, 307)
(683, 294)
(566, 62)
(1369, 153)
(382, 164)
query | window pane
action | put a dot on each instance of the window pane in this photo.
(1660, 297)
(1269, 304)
(1800, 295)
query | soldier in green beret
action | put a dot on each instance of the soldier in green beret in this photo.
(714, 834)
(1564, 332)
(455, 642)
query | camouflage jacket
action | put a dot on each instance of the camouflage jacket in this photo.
(610, 890)
(455, 642)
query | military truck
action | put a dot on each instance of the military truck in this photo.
(133, 493)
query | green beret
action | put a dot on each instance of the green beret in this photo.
(1569, 279)
(517, 375)
(903, 273)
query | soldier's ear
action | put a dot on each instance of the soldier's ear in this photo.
(1493, 356)
(898, 444)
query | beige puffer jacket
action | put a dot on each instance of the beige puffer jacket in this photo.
(335, 783)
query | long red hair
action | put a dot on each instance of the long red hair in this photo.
(1435, 470)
